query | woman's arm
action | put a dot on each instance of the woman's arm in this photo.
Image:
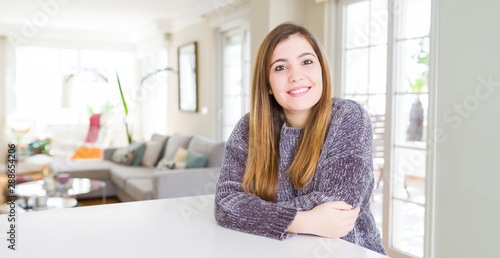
(238, 210)
(330, 219)
(346, 179)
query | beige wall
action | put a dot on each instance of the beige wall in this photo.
(468, 167)
(316, 17)
(259, 25)
(286, 10)
(190, 122)
(267, 14)
(3, 100)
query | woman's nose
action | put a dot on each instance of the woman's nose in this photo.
(294, 74)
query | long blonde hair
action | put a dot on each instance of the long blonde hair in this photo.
(267, 117)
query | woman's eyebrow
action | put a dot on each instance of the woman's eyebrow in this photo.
(284, 59)
(279, 60)
(305, 54)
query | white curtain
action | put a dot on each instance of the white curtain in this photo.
(151, 97)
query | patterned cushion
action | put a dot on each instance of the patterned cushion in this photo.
(165, 164)
(124, 156)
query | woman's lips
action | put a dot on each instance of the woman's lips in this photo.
(299, 91)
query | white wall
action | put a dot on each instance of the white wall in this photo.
(468, 168)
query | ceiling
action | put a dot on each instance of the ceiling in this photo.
(111, 20)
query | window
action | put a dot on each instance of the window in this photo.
(235, 78)
(364, 76)
(385, 52)
(51, 79)
(55, 89)
(410, 94)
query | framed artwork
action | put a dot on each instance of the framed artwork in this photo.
(188, 77)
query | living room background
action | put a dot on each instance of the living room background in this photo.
(464, 171)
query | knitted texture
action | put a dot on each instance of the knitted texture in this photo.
(344, 173)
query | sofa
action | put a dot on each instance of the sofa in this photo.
(145, 181)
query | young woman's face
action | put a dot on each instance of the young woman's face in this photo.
(295, 77)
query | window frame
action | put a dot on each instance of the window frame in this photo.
(241, 27)
(338, 19)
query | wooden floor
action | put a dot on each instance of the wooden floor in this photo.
(98, 201)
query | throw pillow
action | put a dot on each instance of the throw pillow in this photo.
(151, 153)
(175, 142)
(180, 155)
(165, 164)
(139, 148)
(195, 159)
(124, 156)
(213, 150)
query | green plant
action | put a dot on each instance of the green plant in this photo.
(107, 106)
(421, 57)
(40, 146)
(419, 83)
(129, 136)
(90, 110)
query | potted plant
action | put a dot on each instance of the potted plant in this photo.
(166, 69)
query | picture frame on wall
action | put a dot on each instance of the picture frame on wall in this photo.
(188, 77)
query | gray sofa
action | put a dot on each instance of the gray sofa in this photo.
(135, 183)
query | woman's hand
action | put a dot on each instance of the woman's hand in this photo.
(330, 219)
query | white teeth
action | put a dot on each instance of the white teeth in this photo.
(299, 91)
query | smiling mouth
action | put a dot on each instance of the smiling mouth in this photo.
(298, 91)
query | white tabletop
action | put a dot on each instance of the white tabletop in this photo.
(181, 227)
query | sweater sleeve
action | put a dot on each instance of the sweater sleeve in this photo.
(237, 210)
(345, 171)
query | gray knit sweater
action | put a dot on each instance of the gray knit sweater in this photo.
(344, 173)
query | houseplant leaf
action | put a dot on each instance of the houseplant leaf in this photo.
(121, 92)
(129, 136)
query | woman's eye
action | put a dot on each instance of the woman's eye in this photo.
(279, 68)
(307, 62)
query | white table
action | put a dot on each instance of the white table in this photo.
(182, 227)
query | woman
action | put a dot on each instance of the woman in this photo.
(298, 163)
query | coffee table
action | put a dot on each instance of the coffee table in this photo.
(75, 186)
(50, 203)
